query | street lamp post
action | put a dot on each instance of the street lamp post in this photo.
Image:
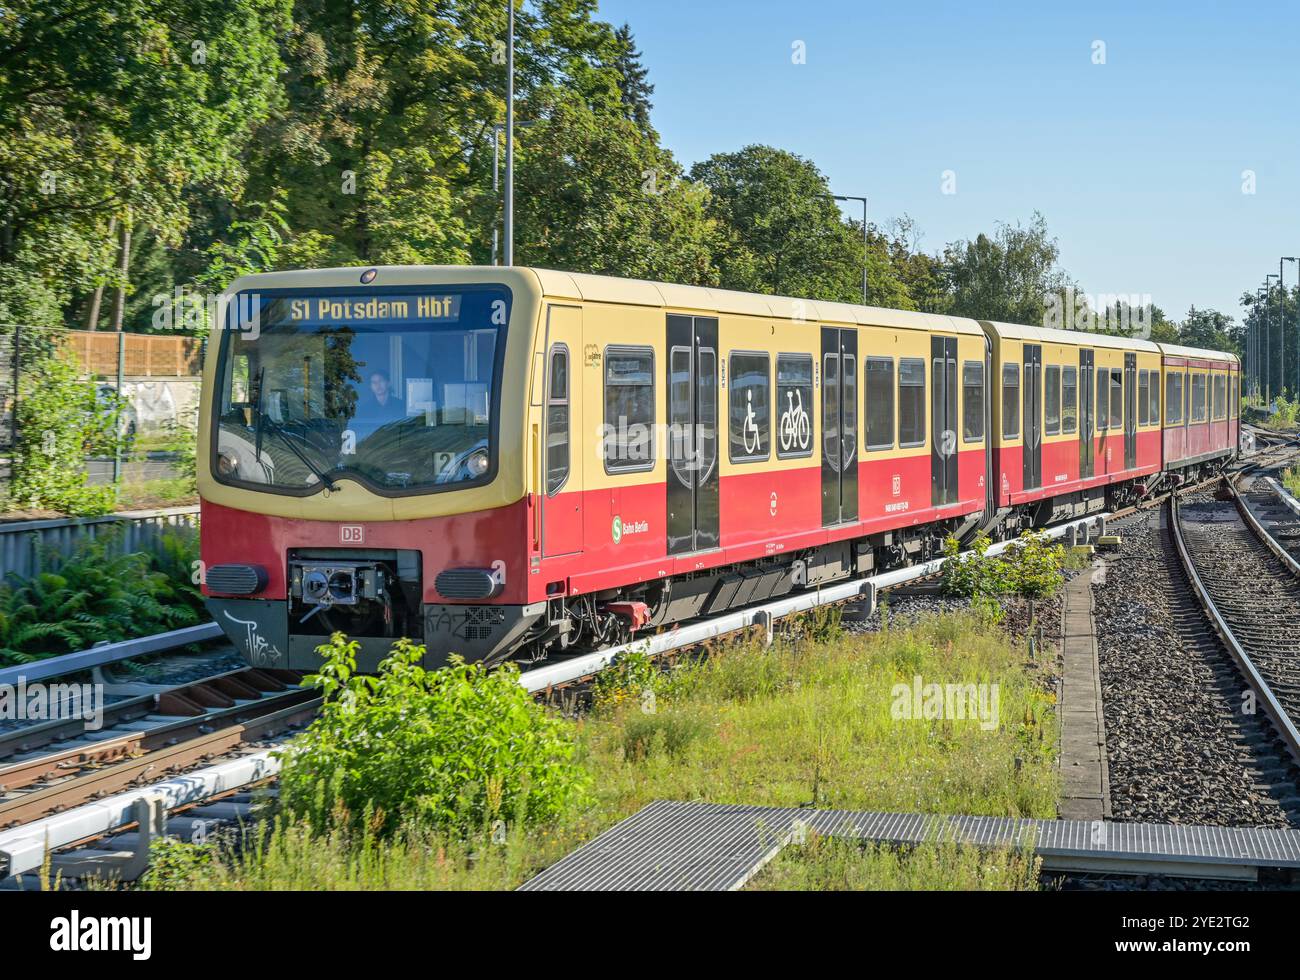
(1268, 326)
(847, 197)
(497, 130)
(510, 135)
(1296, 390)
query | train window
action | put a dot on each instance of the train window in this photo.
(628, 443)
(557, 420)
(911, 402)
(1052, 399)
(1220, 396)
(1173, 398)
(1144, 397)
(1234, 403)
(880, 403)
(1069, 399)
(1153, 399)
(750, 406)
(972, 397)
(794, 401)
(1116, 398)
(1010, 401)
(1198, 397)
(1102, 404)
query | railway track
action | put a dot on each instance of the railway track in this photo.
(152, 736)
(1250, 595)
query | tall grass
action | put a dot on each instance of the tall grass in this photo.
(801, 722)
(837, 864)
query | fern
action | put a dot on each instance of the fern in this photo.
(99, 594)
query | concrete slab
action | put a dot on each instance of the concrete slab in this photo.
(1085, 778)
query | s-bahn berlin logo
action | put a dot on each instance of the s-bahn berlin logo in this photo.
(618, 528)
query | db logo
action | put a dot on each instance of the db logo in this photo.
(352, 534)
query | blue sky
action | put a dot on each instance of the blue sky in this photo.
(1136, 163)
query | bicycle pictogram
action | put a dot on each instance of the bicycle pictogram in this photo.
(796, 429)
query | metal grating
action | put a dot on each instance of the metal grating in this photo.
(672, 846)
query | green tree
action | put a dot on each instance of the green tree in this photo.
(633, 84)
(1007, 276)
(597, 194)
(111, 112)
(780, 231)
(59, 416)
(1212, 330)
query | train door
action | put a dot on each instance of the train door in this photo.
(1032, 384)
(1130, 411)
(943, 421)
(839, 425)
(562, 500)
(692, 433)
(1087, 393)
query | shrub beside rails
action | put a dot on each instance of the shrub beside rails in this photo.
(461, 749)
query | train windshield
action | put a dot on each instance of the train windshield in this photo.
(396, 390)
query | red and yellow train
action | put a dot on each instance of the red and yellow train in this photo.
(509, 462)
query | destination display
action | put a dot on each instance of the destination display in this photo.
(437, 308)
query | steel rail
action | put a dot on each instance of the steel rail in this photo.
(1261, 532)
(1273, 708)
(80, 789)
(17, 775)
(109, 653)
(23, 849)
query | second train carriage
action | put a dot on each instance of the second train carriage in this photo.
(1073, 428)
(507, 461)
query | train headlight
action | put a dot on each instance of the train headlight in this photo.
(477, 464)
(227, 463)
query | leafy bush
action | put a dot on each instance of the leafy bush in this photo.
(630, 678)
(979, 576)
(1029, 568)
(1034, 566)
(454, 749)
(98, 596)
(59, 417)
(1285, 415)
(173, 863)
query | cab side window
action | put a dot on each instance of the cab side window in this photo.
(557, 420)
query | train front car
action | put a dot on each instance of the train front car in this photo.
(361, 462)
